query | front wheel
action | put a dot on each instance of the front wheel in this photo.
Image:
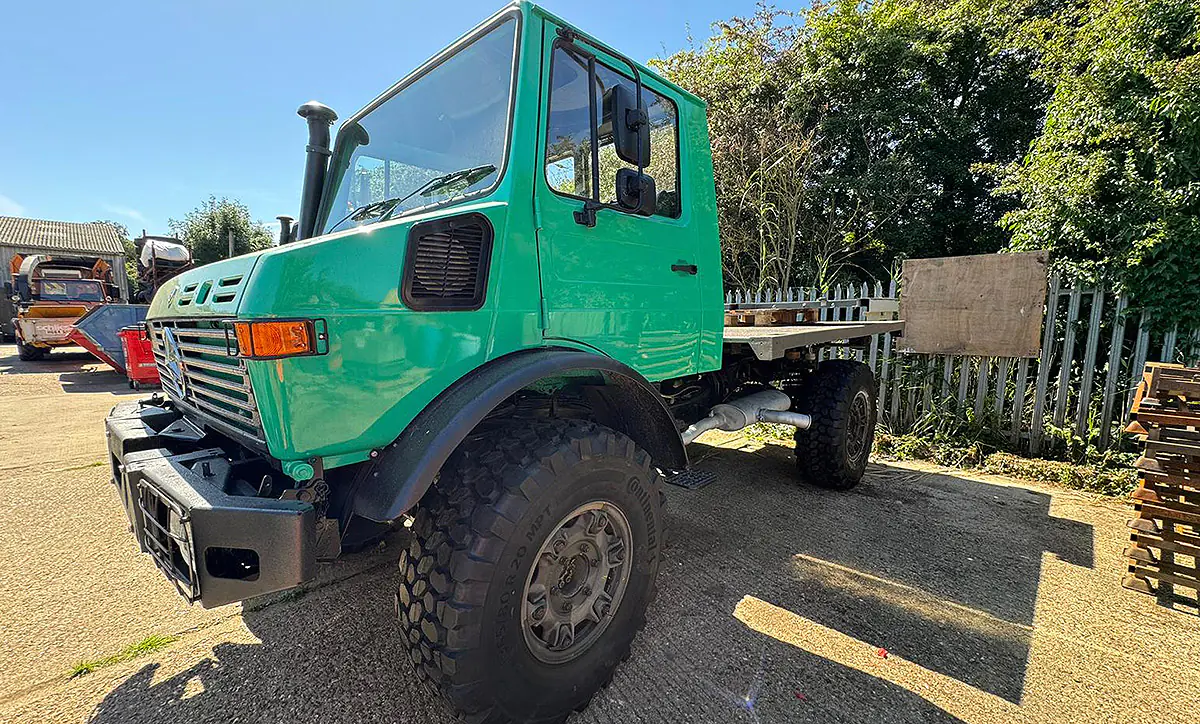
(532, 561)
(833, 452)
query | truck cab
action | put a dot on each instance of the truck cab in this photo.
(498, 319)
(50, 293)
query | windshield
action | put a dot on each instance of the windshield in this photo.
(68, 290)
(453, 120)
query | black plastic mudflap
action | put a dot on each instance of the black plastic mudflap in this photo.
(215, 547)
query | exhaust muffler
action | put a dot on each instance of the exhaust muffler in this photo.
(762, 406)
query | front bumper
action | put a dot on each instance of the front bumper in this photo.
(215, 547)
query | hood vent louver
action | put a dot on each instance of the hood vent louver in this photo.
(446, 264)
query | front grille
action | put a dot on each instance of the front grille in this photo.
(198, 371)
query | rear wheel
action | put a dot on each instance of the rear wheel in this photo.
(530, 568)
(833, 452)
(29, 353)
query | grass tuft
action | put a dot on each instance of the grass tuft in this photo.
(1109, 475)
(769, 432)
(148, 645)
(85, 466)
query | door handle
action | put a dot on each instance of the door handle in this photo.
(685, 268)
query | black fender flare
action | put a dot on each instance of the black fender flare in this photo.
(392, 483)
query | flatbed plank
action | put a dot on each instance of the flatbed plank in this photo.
(769, 343)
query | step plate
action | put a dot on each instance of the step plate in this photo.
(692, 479)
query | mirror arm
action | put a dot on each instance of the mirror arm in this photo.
(595, 129)
(586, 216)
(571, 36)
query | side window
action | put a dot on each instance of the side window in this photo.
(568, 132)
(664, 153)
(568, 137)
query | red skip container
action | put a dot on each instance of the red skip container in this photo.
(139, 357)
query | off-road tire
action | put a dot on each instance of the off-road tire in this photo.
(29, 353)
(475, 536)
(829, 454)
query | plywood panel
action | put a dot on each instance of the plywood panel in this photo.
(987, 304)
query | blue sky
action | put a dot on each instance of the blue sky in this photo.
(137, 111)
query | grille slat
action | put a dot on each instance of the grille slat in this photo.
(183, 332)
(222, 397)
(220, 382)
(202, 348)
(244, 424)
(202, 364)
(233, 404)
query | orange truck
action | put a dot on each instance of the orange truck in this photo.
(50, 293)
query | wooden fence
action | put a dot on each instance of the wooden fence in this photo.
(1093, 350)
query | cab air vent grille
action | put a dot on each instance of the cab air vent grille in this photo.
(446, 264)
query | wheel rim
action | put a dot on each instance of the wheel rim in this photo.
(577, 582)
(858, 427)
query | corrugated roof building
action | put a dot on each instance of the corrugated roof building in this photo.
(37, 236)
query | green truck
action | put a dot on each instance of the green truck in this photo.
(498, 321)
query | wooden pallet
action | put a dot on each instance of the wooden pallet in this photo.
(1164, 538)
(1169, 380)
(762, 317)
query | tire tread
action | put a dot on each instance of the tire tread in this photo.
(826, 395)
(454, 530)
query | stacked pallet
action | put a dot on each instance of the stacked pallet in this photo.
(1164, 548)
(775, 317)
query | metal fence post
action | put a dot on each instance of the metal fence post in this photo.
(1068, 359)
(1113, 373)
(1089, 363)
(1037, 424)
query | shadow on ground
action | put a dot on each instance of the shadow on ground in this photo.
(77, 370)
(939, 570)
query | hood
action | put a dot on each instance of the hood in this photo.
(209, 291)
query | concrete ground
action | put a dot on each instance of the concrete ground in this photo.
(995, 601)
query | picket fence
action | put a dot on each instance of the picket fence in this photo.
(1094, 347)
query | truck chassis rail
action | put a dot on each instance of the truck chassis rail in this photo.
(770, 343)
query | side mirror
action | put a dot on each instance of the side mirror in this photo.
(630, 126)
(635, 192)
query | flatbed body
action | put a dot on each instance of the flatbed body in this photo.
(770, 343)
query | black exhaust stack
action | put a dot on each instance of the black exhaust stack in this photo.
(286, 229)
(320, 117)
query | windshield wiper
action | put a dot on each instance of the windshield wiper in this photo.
(466, 176)
(358, 210)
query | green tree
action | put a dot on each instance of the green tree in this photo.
(205, 230)
(849, 135)
(1112, 184)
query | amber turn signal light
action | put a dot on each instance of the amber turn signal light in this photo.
(288, 338)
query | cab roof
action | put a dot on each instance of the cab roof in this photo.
(642, 68)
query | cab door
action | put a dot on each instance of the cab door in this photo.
(626, 285)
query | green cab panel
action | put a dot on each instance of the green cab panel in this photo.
(213, 290)
(385, 362)
(645, 290)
